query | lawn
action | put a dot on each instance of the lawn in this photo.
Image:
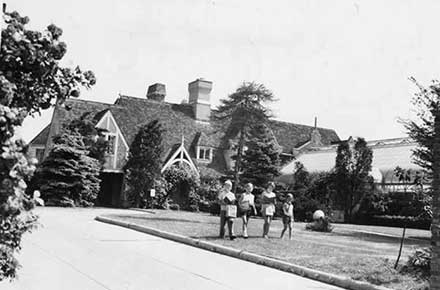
(350, 250)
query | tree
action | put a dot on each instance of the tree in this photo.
(31, 80)
(242, 109)
(351, 173)
(144, 161)
(69, 176)
(425, 129)
(261, 160)
(93, 137)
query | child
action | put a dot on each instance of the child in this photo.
(288, 216)
(226, 199)
(246, 204)
(268, 207)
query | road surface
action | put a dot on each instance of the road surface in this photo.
(72, 251)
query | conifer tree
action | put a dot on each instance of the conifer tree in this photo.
(144, 161)
(261, 160)
(351, 173)
(242, 109)
(69, 176)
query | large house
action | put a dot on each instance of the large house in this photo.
(191, 134)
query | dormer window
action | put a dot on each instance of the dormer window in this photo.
(204, 154)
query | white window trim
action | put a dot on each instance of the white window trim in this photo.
(198, 148)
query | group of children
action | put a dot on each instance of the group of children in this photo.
(244, 206)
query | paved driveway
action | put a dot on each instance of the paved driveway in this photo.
(72, 251)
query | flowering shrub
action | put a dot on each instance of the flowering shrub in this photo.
(31, 80)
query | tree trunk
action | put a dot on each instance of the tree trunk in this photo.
(238, 161)
(435, 226)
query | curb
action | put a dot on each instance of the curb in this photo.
(317, 275)
(141, 210)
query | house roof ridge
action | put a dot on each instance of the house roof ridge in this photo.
(298, 124)
(90, 101)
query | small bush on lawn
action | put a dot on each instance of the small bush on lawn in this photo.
(419, 263)
(320, 225)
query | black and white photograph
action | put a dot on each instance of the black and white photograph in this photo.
(219, 144)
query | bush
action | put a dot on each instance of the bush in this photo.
(396, 209)
(320, 225)
(419, 264)
(395, 221)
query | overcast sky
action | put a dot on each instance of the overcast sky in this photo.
(346, 62)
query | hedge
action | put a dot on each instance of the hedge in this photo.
(395, 221)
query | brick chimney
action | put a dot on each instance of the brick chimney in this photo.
(156, 92)
(200, 98)
(315, 136)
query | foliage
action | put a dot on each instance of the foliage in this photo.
(183, 182)
(261, 161)
(144, 161)
(419, 263)
(320, 225)
(161, 198)
(208, 191)
(427, 105)
(93, 137)
(243, 108)
(68, 176)
(311, 191)
(31, 80)
(351, 173)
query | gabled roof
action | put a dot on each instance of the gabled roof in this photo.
(41, 138)
(178, 120)
(290, 135)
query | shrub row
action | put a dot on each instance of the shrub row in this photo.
(395, 221)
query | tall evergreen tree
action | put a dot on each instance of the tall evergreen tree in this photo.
(93, 137)
(144, 161)
(351, 174)
(261, 160)
(68, 176)
(242, 109)
(425, 129)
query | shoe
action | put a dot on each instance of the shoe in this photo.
(233, 238)
(266, 237)
(245, 237)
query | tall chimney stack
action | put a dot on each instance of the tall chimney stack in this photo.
(200, 98)
(156, 92)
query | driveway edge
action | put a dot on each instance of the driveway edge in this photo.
(317, 275)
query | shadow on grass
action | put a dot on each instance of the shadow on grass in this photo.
(370, 237)
(162, 219)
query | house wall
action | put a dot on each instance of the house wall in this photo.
(116, 160)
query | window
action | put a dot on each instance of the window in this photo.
(111, 143)
(39, 154)
(205, 154)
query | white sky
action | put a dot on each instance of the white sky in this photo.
(346, 62)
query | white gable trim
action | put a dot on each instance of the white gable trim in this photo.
(109, 116)
(179, 157)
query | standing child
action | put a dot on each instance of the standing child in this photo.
(288, 216)
(227, 201)
(268, 207)
(246, 205)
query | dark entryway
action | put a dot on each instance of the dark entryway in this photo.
(110, 194)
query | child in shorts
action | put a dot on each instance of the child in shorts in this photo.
(288, 216)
